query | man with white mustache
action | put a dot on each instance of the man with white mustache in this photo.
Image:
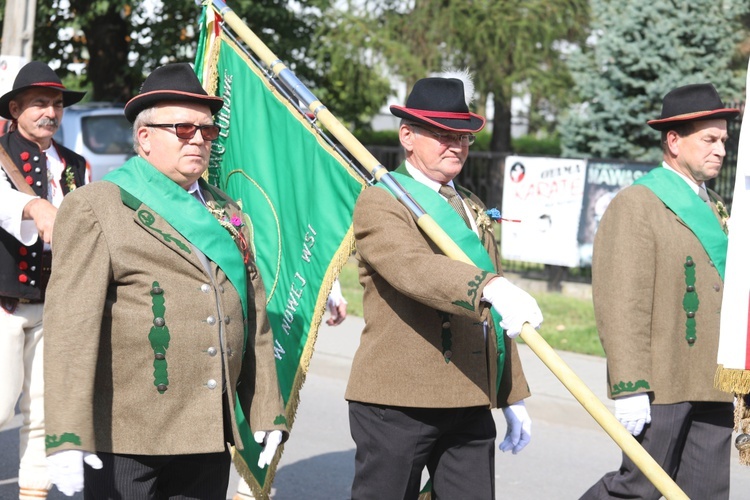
(35, 108)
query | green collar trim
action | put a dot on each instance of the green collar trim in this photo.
(680, 199)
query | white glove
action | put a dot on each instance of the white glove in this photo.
(270, 441)
(513, 304)
(633, 412)
(66, 469)
(518, 434)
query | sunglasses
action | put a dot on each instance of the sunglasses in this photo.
(187, 130)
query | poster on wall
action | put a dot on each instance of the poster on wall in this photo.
(604, 179)
(544, 196)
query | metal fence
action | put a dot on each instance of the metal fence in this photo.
(483, 174)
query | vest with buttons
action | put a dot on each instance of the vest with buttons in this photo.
(20, 265)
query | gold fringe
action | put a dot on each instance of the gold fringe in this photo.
(742, 426)
(732, 380)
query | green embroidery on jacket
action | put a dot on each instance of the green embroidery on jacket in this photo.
(147, 218)
(472, 292)
(280, 419)
(690, 301)
(159, 338)
(52, 441)
(629, 387)
(446, 335)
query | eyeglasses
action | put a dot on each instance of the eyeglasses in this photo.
(462, 139)
(187, 130)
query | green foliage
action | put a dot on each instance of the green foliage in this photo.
(639, 51)
(530, 145)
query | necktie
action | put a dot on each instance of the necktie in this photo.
(704, 195)
(452, 197)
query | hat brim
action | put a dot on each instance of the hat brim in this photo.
(70, 97)
(472, 123)
(714, 114)
(150, 99)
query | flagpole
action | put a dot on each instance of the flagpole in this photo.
(541, 348)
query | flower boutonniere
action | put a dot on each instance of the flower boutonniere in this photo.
(722, 209)
(70, 179)
(231, 224)
(485, 218)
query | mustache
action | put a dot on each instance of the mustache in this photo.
(47, 122)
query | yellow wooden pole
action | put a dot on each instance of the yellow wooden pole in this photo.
(549, 357)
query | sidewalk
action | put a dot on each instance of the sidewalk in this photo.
(568, 451)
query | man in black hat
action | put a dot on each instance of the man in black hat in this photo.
(433, 359)
(48, 171)
(167, 339)
(658, 271)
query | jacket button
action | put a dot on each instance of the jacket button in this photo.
(691, 341)
(211, 384)
(159, 356)
(717, 287)
(157, 290)
(690, 288)
(211, 320)
(159, 321)
(691, 314)
(205, 288)
(161, 387)
(448, 354)
(212, 351)
(446, 324)
(226, 320)
(689, 262)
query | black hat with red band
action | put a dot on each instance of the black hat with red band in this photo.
(34, 75)
(440, 102)
(691, 103)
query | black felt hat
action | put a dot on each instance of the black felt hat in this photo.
(691, 103)
(33, 75)
(172, 82)
(440, 102)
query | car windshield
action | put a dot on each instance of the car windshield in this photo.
(107, 134)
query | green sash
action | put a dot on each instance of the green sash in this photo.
(680, 199)
(455, 227)
(183, 212)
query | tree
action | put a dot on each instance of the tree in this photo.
(639, 51)
(118, 42)
(511, 47)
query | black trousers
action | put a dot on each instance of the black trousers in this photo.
(690, 441)
(394, 445)
(146, 477)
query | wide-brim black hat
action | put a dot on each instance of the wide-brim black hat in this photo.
(695, 102)
(37, 74)
(175, 82)
(440, 102)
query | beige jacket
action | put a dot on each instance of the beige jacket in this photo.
(104, 296)
(641, 251)
(419, 348)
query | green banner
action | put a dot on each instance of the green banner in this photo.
(299, 196)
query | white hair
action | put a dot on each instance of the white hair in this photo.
(465, 76)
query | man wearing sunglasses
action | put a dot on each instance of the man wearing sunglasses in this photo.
(433, 358)
(160, 327)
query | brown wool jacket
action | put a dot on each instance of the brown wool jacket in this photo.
(419, 349)
(639, 282)
(100, 377)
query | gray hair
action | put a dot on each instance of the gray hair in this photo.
(144, 117)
